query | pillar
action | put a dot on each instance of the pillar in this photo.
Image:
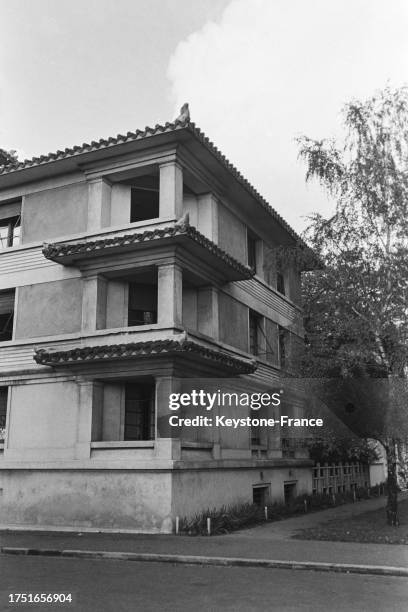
(208, 217)
(94, 302)
(171, 191)
(89, 424)
(99, 203)
(169, 295)
(168, 444)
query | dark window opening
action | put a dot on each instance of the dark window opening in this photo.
(280, 283)
(255, 322)
(3, 412)
(10, 232)
(6, 315)
(251, 251)
(144, 204)
(255, 435)
(142, 304)
(282, 335)
(260, 496)
(289, 491)
(139, 412)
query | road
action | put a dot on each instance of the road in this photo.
(116, 586)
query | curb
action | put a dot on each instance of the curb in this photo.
(345, 568)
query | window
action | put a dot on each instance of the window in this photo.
(6, 315)
(251, 250)
(280, 282)
(3, 412)
(9, 232)
(255, 322)
(260, 495)
(142, 304)
(144, 204)
(139, 412)
(282, 335)
(289, 491)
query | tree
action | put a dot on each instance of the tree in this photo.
(356, 308)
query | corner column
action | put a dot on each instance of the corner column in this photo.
(170, 295)
(168, 443)
(171, 191)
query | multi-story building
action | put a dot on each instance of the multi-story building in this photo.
(132, 268)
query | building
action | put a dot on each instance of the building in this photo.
(130, 269)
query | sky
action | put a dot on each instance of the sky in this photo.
(256, 74)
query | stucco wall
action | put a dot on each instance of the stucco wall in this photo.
(48, 309)
(140, 501)
(233, 321)
(190, 308)
(55, 212)
(231, 234)
(43, 421)
(223, 487)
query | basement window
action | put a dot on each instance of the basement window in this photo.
(3, 413)
(139, 411)
(6, 315)
(144, 204)
(260, 495)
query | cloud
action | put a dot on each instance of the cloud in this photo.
(270, 70)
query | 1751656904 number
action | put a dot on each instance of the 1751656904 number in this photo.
(40, 598)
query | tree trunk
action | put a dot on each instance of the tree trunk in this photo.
(392, 485)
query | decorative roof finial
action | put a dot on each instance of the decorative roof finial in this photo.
(184, 114)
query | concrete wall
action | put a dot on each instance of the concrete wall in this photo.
(190, 308)
(233, 320)
(113, 417)
(135, 500)
(231, 234)
(49, 309)
(43, 421)
(117, 295)
(55, 212)
(223, 487)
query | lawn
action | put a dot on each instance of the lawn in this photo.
(369, 527)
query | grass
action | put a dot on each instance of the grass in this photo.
(239, 516)
(369, 527)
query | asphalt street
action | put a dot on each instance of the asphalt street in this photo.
(117, 586)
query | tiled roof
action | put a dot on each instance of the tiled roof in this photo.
(148, 132)
(57, 251)
(137, 350)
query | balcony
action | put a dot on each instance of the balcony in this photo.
(202, 257)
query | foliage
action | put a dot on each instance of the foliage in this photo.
(336, 449)
(231, 518)
(356, 307)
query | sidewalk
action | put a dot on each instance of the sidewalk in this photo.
(270, 541)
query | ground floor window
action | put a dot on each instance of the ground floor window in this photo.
(260, 495)
(289, 489)
(139, 411)
(3, 412)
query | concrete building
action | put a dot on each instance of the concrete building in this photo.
(132, 268)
